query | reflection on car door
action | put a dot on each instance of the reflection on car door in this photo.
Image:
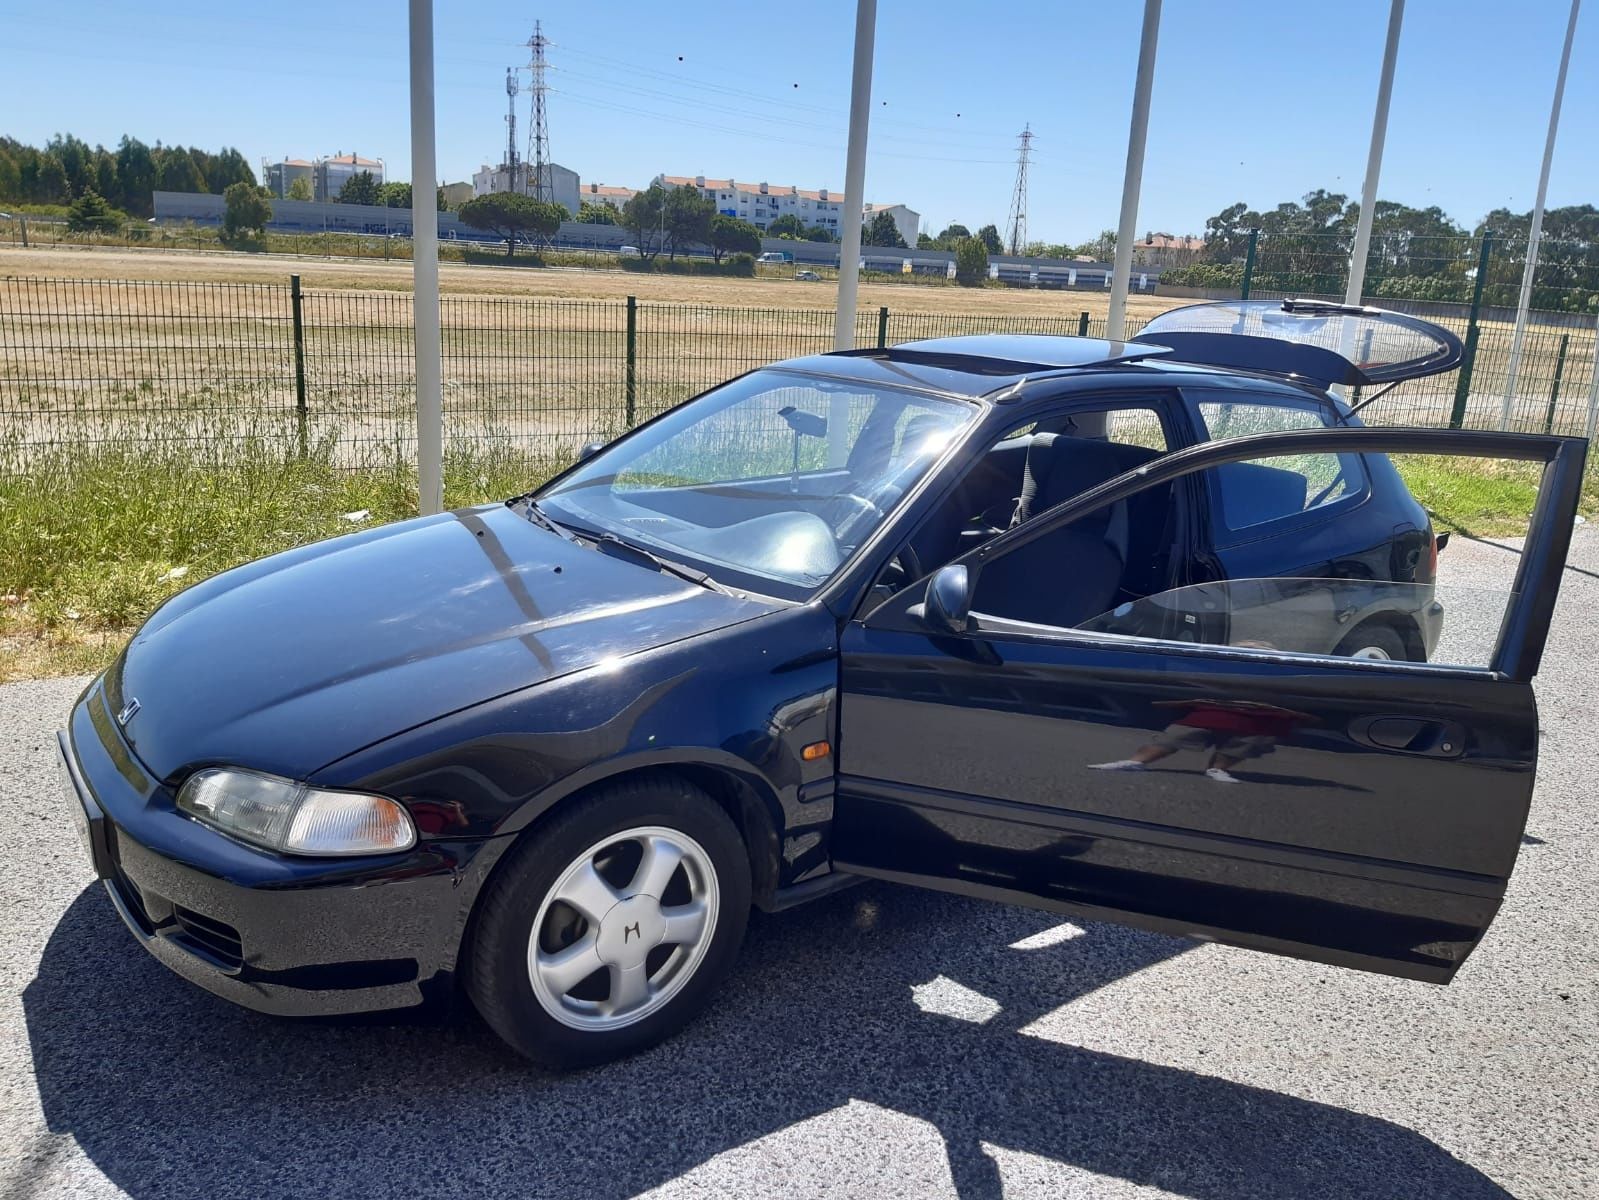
(1381, 836)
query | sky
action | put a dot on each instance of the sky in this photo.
(1254, 101)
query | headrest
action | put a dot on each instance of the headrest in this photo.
(1059, 466)
(919, 430)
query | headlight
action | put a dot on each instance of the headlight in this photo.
(292, 818)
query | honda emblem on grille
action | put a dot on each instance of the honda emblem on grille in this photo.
(129, 711)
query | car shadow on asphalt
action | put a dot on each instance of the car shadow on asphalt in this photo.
(170, 1091)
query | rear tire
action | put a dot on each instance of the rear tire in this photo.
(1374, 640)
(610, 924)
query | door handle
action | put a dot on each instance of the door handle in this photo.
(1410, 735)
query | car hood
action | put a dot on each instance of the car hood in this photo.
(290, 662)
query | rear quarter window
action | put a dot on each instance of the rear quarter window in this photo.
(1258, 498)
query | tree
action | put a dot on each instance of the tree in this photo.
(51, 186)
(991, 240)
(819, 233)
(1101, 249)
(643, 217)
(91, 214)
(787, 226)
(596, 212)
(688, 219)
(512, 215)
(951, 235)
(881, 231)
(1227, 233)
(175, 171)
(299, 189)
(245, 211)
(77, 160)
(135, 176)
(971, 261)
(224, 169)
(105, 173)
(729, 235)
(360, 188)
(394, 195)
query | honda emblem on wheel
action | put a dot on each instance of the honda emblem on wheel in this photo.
(629, 932)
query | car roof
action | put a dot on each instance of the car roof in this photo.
(995, 366)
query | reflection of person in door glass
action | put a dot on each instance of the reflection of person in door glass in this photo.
(1233, 731)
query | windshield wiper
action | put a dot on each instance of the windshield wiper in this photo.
(681, 570)
(539, 517)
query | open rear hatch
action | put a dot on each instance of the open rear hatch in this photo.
(1315, 341)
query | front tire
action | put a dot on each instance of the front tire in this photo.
(610, 924)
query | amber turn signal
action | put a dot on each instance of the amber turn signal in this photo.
(815, 751)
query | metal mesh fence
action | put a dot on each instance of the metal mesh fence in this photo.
(84, 361)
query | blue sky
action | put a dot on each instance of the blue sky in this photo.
(1255, 101)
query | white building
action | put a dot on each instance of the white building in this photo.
(907, 220)
(563, 183)
(600, 193)
(330, 174)
(762, 203)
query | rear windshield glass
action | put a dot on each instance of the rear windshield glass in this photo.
(1382, 346)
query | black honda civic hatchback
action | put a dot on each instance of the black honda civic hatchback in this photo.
(1147, 631)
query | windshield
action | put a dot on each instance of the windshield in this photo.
(770, 482)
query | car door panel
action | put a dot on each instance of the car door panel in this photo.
(1367, 915)
(968, 762)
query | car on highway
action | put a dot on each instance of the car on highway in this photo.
(1149, 632)
(775, 258)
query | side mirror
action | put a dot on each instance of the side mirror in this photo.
(948, 605)
(589, 450)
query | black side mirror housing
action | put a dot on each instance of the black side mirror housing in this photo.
(589, 450)
(948, 604)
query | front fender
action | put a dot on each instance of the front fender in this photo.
(742, 701)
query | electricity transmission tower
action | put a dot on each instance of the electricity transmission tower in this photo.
(538, 149)
(510, 125)
(1018, 200)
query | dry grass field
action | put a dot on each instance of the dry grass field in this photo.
(564, 283)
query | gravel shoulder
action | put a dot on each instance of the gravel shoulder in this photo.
(885, 1042)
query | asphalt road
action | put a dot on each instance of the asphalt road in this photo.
(883, 1043)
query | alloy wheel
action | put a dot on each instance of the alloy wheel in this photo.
(623, 929)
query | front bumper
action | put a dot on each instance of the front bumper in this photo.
(295, 937)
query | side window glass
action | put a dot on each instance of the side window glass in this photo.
(1251, 494)
(1395, 596)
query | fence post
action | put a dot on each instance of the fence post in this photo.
(297, 309)
(1082, 324)
(1249, 265)
(632, 359)
(1468, 357)
(882, 328)
(1554, 388)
